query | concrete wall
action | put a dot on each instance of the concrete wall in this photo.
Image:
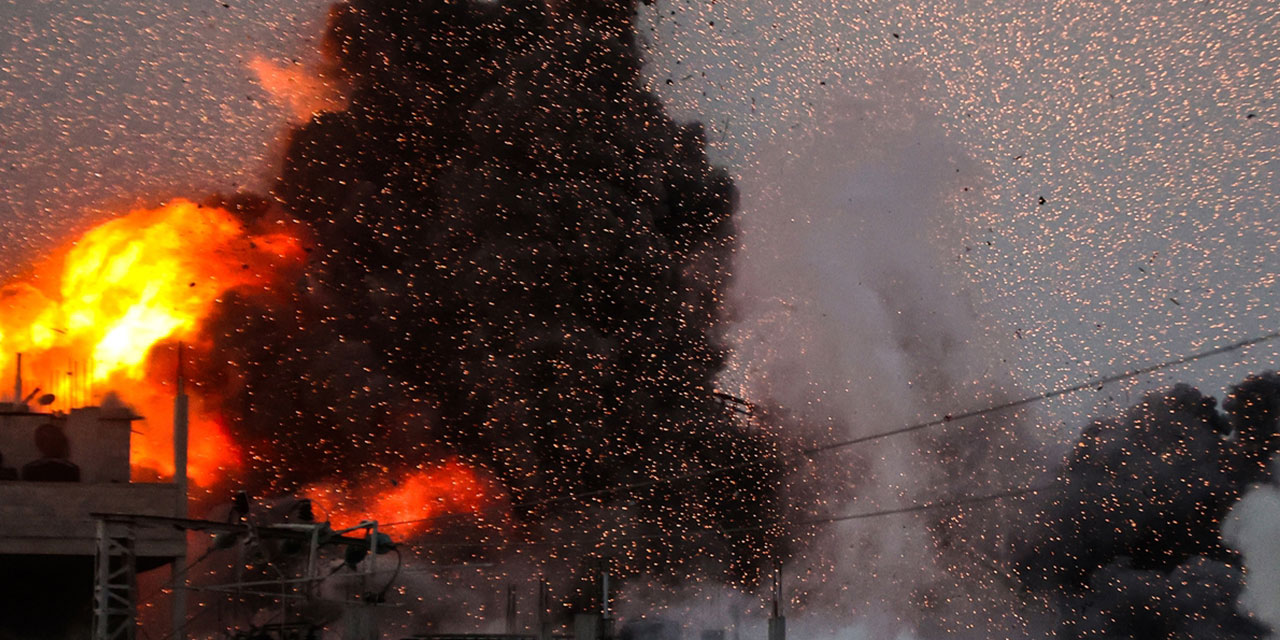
(53, 517)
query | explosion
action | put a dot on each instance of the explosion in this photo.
(103, 314)
(513, 291)
(519, 261)
(412, 503)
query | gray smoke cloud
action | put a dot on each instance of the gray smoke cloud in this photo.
(1250, 528)
(850, 316)
(1128, 543)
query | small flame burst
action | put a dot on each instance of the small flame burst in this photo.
(306, 91)
(413, 503)
(89, 319)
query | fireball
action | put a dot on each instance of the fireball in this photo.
(94, 316)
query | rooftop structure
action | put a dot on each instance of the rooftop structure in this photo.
(50, 514)
(64, 564)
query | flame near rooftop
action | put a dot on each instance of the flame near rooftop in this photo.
(104, 314)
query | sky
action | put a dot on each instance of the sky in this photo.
(1114, 203)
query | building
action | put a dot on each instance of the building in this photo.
(57, 471)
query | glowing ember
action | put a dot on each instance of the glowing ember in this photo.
(413, 502)
(88, 319)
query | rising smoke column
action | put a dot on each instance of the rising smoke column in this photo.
(1128, 543)
(848, 315)
(519, 259)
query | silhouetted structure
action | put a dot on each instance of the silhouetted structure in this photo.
(72, 465)
(53, 465)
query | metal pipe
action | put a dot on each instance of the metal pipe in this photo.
(266, 583)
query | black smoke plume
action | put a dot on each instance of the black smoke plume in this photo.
(518, 259)
(1128, 542)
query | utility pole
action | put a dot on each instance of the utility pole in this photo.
(511, 609)
(544, 610)
(777, 621)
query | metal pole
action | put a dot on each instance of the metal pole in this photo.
(777, 621)
(544, 610)
(101, 584)
(115, 582)
(180, 421)
(180, 410)
(777, 590)
(604, 593)
(312, 559)
(373, 558)
(511, 609)
(606, 625)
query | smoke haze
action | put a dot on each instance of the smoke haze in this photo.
(849, 315)
(1251, 529)
(1129, 541)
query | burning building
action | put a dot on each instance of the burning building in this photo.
(94, 331)
(61, 473)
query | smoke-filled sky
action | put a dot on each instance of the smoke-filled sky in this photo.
(1150, 130)
(943, 203)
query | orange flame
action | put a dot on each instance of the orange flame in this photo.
(412, 503)
(307, 91)
(88, 318)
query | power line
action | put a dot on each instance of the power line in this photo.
(935, 504)
(1133, 373)
(692, 475)
(944, 503)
